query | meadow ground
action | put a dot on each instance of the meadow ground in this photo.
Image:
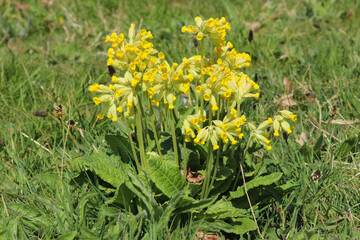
(305, 56)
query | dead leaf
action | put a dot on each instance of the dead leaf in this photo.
(47, 3)
(201, 236)
(192, 177)
(277, 209)
(284, 56)
(254, 26)
(302, 139)
(17, 47)
(349, 14)
(287, 84)
(286, 101)
(344, 122)
(40, 113)
(21, 7)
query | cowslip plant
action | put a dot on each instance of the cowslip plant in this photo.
(147, 92)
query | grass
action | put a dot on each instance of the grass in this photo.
(51, 53)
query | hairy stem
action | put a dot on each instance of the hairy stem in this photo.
(138, 166)
(140, 138)
(174, 138)
(152, 114)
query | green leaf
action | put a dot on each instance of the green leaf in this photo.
(244, 225)
(224, 209)
(150, 146)
(143, 193)
(347, 146)
(223, 180)
(31, 213)
(182, 118)
(107, 168)
(191, 205)
(82, 206)
(286, 187)
(68, 236)
(123, 196)
(317, 146)
(165, 217)
(306, 150)
(259, 181)
(120, 146)
(87, 234)
(165, 141)
(239, 226)
(166, 176)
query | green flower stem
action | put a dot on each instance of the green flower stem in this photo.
(197, 101)
(202, 79)
(165, 117)
(152, 114)
(140, 139)
(138, 166)
(174, 138)
(245, 189)
(238, 173)
(219, 110)
(143, 120)
(189, 98)
(209, 166)
(261, 164)
(209, 161)
(185, 160)
(216, 166)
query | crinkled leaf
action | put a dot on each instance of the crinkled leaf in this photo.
(166, 176)
(244, 225)
(165, 141)
(239, 226)
(120, 146)
(82, 206)
(191, 205)
(165, 217)
(122, 196)
(141, 190)
(224, 209)
(107, 168)
(224, 178)
(259, 181)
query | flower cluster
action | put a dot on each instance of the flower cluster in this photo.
(215, 29)
(216, 81)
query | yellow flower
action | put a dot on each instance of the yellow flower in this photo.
(214, 108)
(161, 55)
